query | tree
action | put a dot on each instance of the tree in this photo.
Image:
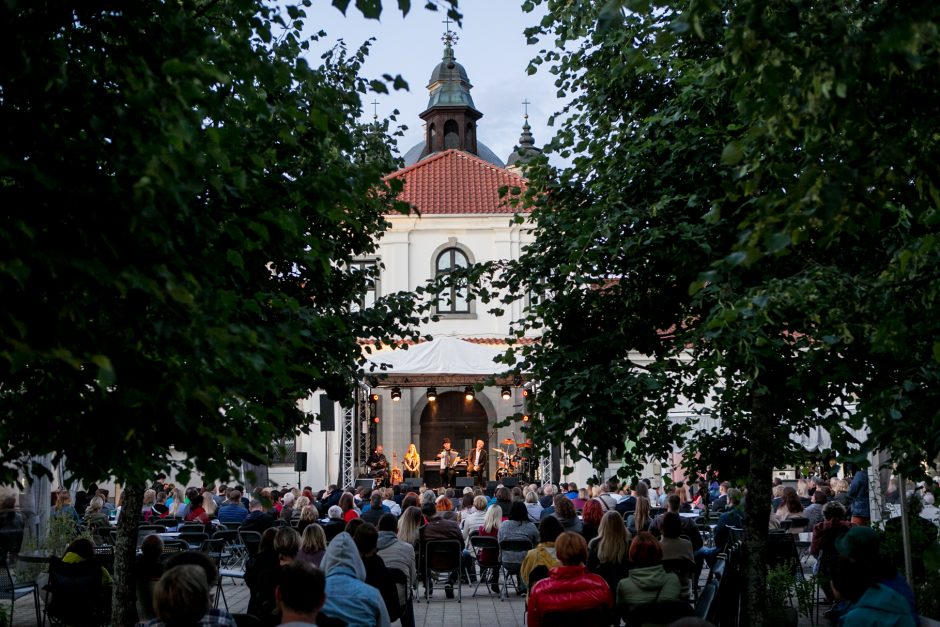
(183, 195)
(743, 212)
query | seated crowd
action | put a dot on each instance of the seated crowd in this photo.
(353, 557)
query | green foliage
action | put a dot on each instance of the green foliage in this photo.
(182, 196)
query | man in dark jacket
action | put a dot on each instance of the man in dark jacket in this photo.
(439, 529)
(257, 519)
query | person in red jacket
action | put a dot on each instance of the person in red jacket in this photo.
(569, 587)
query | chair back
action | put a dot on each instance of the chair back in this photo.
(718, 570)
(485, 550)
(515, 545)
(781, 551)
(197, 527)
(6, 579)
(592, 616)
(442, 555)
(10, 541)
(706, 601)
(251, 541)
(193, 538)
(148, 529)
(799, 522)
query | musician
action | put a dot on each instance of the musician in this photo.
(378, 465)
(412, 462)
(476, 465)
(449, 459)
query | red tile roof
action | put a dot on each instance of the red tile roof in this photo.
(456, 182)
(487, 341)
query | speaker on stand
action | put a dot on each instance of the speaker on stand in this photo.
(300, 465)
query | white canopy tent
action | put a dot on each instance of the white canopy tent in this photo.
(443, 356)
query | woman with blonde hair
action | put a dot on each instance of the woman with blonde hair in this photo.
(299, 504)
(146, 508)
(308, 516)
(312, 545)
(608, 552)
(639, 520)
(409, 524)
(175, 502)
(209, 504)
(490, 528)
(412, 462)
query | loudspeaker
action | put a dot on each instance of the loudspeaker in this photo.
(491, 487)
(365, 482)
(510, 482)
(300, 462)
(327, 418)
(464, 482)
(413, 483)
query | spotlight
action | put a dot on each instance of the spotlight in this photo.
(374, 398)
(506, 393)
(396, 394)
(526, 393)
(432, 395)
(468, 393)
(525, 417)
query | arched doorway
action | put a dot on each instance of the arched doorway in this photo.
(452, 416)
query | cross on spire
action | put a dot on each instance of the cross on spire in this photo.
(375, 109)
(526, 104)
(450, 37)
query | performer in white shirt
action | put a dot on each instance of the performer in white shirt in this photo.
(449, 459)
(476, 465)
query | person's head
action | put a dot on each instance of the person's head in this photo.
(548, 489)
(642, 490)
(583, 494)
(479, 503)
(466, 502)
(8, 502)
(480, 444)
(550, 528)
(335, 511)
(366, 538)
(642, 514)
(671, 525)
(412, 449)
(645, 550)
(95, 505)
(503, 493)
(388, 522)
(820, 497)
(443, 504)
(376, 500)
(842, 486)
(802, 488)
(287, 543)
(673, 503)
(564, 508)
(833, 510)
(494, 516)
(446, 444)
(353, 525)
(301, 502)
(254, 505)
(531, 497)
(409, 524)
(572, 487)
(267, 540)
(196, 558)
(346, 502)
(150, 497)
(516, 493)
(288, 499)
(571, 549)
(518, 512)
(592, 512)
(723, 487)
(83, 547)
(777, 491)
(181, 596)
(428, 496)
(300, 592)
(734, 497)
(791, 501)
(379, 450)
(614, 539)
(151, 548)
(851, 578)
(313, 539)
(309, 513)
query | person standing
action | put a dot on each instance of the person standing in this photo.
(378, 465)
(858, 491)
(449, 459)
(477, 464)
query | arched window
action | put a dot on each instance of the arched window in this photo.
(454, 299)
(432, 133)
(451, 135)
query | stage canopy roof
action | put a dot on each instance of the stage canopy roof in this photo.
(443, 361)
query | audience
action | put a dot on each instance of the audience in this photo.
(517, 527)
(647, 580)
(312, 545)
(542, 558)
(566, 514)
(348, 597)
(569, 587)
(232, 511)
(608, 552)
(181, 597)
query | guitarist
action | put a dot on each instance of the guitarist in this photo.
(476, 464)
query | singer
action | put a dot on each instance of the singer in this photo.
(449, 460)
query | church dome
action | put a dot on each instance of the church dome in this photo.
(417, 152)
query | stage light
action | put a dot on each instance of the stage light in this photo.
(525, 417)
(432, 395)
(506, 393)
(526, 393)
(375, 419)
(396, 394)
(374, 398)
(468, 393)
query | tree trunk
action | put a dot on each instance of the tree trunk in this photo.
(757, 509)
(123, 600)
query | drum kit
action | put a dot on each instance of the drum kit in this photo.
(514, 460)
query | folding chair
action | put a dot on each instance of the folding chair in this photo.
(442, 556)
(488, 562)
(251, 540)
(75, 596)
(12, 591)
(512, 546)
(706, 601)
(193, 538)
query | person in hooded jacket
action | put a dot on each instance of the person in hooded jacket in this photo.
(872, 604)
(569, 587)
(648, 581)
(348, 597)
(398, 555)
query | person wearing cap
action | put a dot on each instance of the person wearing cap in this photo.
(871, 582)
